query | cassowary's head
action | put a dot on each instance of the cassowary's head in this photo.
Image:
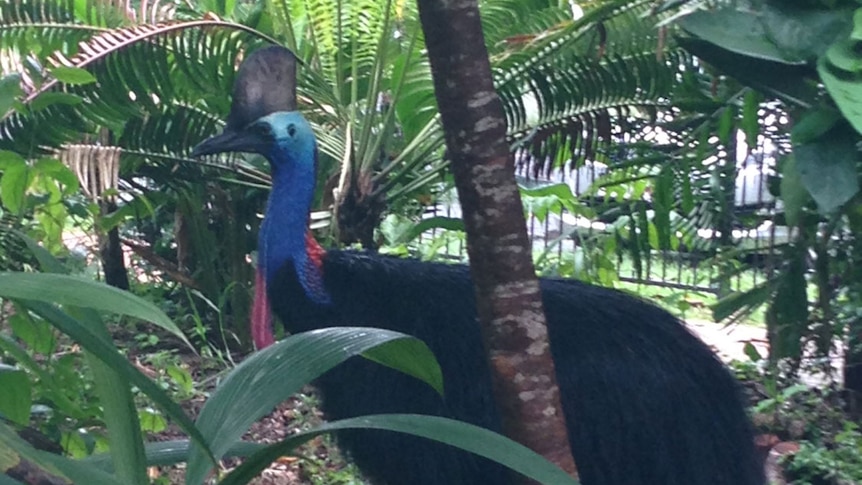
(263, 110)
(281, 137)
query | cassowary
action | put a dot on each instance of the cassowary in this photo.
(646, 402)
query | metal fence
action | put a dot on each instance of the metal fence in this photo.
(754, 233)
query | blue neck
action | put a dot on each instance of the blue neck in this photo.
(285, 225)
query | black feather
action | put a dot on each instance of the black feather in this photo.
(648, 403)
(265, 84)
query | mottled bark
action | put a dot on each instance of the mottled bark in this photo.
(508, 297)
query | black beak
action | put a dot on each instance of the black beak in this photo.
(229, 141)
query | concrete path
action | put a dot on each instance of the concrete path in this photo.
(729, 343)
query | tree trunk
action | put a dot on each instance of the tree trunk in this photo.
(852, 369)
(111, 253)
(507, 291)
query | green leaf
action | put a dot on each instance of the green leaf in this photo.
(10, 90)
(58, 171)
(437, 222)
(85, 293)
(271, 375)
(74, 444)
(740, 301)
(751, 352)
(769, 30)
(9, 158)
(167, 453)
(787, 316)
(72, 75)
(856, 34)
(461, 435)
(50, 98)
(814, 123)
(750, 120)
(843, 55)
(793, 192)
(725, 125)
(785, 81)
(827, 169)
(105, 351)
(15, 400)
(35, 333)
(55, 465)
(13, 186)
(119, 414)
(47, 262)
(182, 378)
(151, 421)
(845, 89)
(663, 199)
(410, 356)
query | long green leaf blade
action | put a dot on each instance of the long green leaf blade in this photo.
(462, 435)
(85, 293)
(55, 465)
(168, 453)
(118, 405)
(270, 376)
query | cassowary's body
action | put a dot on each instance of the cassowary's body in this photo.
(646, 402)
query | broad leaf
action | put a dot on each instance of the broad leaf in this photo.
(786, 81)
(814, 124)
(167, 453)
(462, 435)
(72, 75)
(793, 192)
(10, 89)
(769, 30)
(846, 89)
(15, 400)
(13, 186)
(55, 465)
(85, 293)
(787, 317)
(273, 374)
(827, 168)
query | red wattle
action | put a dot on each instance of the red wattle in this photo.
(315, 250)
(261, 316)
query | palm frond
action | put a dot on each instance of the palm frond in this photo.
(138, 69)
(573, 91)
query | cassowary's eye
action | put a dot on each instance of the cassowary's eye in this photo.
(291, 130)
(262, 129)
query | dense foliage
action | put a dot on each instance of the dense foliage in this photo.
(100, 104)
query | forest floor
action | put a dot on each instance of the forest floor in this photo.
(729, 341)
